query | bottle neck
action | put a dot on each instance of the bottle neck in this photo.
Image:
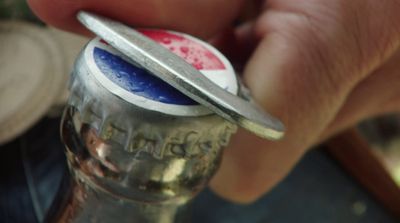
(88, 204)
(147, 174)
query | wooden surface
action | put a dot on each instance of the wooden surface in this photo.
(354, 154)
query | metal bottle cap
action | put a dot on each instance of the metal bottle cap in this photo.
(181, 75)
(136, 85)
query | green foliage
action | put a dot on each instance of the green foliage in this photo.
(18, 10)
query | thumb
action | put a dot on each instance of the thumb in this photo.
(302, 72)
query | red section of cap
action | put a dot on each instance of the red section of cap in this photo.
(194, 53)
(104, 42)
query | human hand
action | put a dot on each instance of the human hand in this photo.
(320, 66)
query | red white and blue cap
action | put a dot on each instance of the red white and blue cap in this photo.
(137, 86)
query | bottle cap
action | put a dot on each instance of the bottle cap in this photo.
(136, 85)
(172, 69)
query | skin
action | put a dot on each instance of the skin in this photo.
(320, 66)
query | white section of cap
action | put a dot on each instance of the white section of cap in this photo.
(31, 68)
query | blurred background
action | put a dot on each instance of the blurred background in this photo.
(354, 177)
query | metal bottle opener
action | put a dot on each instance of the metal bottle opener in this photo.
(181, 75)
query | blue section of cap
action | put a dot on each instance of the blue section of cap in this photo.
(137, 80)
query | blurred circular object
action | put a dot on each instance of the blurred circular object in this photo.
(32, 71)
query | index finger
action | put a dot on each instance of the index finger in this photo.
(194, 17)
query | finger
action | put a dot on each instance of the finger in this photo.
(302, 71)
(237, 44)
(195, 17)
(377, 95)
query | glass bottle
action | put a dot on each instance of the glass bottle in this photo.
(138, 150)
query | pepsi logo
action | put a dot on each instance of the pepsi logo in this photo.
(138, 86)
